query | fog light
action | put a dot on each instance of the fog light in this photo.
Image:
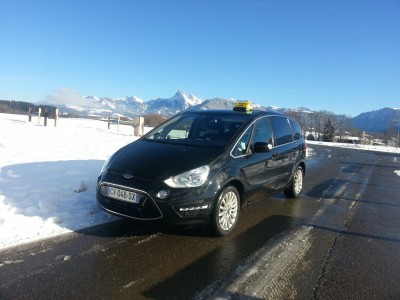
(193, 208)
(103, 190)
(163, 194)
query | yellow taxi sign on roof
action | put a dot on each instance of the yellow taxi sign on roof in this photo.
(243, 106)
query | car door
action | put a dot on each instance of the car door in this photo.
(258, 169)
(284, 154)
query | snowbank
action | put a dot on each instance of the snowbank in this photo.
(356, 146)
(48, 175)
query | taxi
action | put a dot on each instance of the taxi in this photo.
(202, 167)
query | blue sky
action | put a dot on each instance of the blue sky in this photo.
(338, 55)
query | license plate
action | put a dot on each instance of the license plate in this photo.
(122, 195)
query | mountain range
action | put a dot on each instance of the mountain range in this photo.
(375, 121)
(378, 120)
(133, 106)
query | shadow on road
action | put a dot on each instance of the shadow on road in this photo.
(227, 256)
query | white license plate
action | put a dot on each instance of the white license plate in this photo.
(122, 195)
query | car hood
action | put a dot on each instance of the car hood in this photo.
(159, 161)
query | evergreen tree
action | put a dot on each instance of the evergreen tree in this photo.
(329, 131)
(20, 107)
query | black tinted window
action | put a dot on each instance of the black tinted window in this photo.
(262, 131)
(198, 129)
(282, 130)
(243, 143)
(296, 130)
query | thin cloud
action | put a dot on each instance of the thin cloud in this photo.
(65, 95)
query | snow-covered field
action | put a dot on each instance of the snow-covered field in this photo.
(48, 175)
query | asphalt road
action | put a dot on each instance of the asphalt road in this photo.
(339, 240)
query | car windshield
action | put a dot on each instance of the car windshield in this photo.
(198, 130)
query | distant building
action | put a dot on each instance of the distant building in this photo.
(347, 140)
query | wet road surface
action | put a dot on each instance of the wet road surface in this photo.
(339, 240)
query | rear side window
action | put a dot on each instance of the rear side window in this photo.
(282, 130)
(296, 130)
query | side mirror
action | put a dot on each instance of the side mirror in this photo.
(157, 136)
(262, 147)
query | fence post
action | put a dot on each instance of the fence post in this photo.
(118, 123)
(135, 126)
(30, 114)
(46, 115)
(55, 117)
(39, 115)
(138, 126)
(141, 126)
(109, 121)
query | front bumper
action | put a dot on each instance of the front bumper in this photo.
(182, 207)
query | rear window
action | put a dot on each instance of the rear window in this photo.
(296, 130)
(281, 130)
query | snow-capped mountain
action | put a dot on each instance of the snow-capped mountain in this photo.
(170, 106)
(126, 106)
(134, 106)
(216, 103)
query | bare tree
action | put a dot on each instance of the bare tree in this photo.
(342, 125)
(299, 116)
(153, 120)
(319, 118)
(392, 129)
(395, 124)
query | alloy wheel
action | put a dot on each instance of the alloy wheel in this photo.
(228, 210)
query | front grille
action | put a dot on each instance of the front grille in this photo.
(145, 210)
(136, 175)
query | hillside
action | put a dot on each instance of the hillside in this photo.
(378, 120)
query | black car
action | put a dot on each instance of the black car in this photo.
(202, 167)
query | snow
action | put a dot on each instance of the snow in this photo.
(48, 174)
(357, 146)
(77, 108)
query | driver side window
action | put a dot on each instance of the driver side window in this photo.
(262, 133)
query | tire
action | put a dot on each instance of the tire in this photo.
(296, 185)
(226, 212)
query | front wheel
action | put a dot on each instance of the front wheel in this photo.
(226, 212)
(296, 185)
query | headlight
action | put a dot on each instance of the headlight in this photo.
(193, 178)
(105, 166)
